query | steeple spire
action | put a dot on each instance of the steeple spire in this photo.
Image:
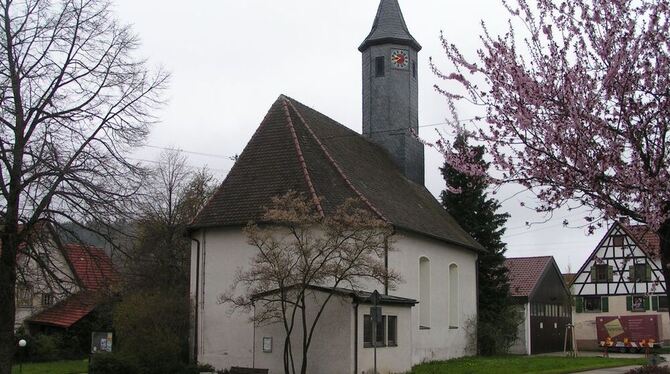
(389, 27)
(390, 90)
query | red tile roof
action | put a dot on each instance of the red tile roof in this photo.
(525, 273)
(94, 271)
(91, 266)
(67, 312)
(646, 238)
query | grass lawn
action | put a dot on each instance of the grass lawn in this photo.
(56, 367)
(521, 364)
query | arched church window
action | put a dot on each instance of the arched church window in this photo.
(453, 296)
(424, 293)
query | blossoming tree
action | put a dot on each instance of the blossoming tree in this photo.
(577, 106)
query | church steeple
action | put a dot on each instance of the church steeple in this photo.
(390, 89)
(389, 27)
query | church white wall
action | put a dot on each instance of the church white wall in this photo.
(224, 339)
(227, 340)
(331, 350)
(440, 341)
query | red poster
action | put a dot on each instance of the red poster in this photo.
(635, 328)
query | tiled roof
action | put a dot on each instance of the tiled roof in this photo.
(297, 148)
(94, 272)
(67, 312)
(646, 238)
(524, 273)
(389, 27)
(91, 266)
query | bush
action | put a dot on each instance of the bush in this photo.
(110, 363)
(44, 348)
(647, 369)
(152, 331)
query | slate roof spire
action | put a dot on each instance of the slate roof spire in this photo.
(389, 27)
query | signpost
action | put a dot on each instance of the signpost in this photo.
(101, 342)
(375, 318)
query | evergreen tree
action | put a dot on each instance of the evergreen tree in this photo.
(466, 199)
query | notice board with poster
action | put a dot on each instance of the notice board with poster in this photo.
(634, 328)
(101, 342)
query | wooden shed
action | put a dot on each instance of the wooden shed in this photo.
(537, 286)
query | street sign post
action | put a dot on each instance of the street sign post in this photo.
(375, 319)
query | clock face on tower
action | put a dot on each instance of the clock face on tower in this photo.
(400, 58)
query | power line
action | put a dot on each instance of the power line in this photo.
(188, 166)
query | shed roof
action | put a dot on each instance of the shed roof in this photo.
(525, 273)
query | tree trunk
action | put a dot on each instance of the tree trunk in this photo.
(9, 246)
(664, 235)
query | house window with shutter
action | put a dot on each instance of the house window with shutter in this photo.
(637, 303)
(594, 304)
(601, 273)
(640, 273)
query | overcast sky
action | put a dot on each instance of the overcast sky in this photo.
(230, 60)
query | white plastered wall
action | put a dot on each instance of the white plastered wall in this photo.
(331, 350)
(441, 341)
(226, 339)
(522, 344)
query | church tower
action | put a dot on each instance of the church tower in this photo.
(390, 89)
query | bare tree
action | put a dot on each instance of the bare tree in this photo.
(301, 251)
(73, 100)
(173, 194)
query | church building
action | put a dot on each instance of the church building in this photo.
(297, 148)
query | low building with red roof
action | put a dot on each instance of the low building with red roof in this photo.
(537, 286)
(68, 286)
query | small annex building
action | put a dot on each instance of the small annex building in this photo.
(537, 286)
(621, 282)
(296, 148)
(80, 278)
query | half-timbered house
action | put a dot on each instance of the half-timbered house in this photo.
(621, 278)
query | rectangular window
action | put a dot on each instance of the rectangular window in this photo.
(383, 331)
(640, 273)
(414, 69)
(602, 273)
(379, 66)
(638, 304)
(663, 303)
(392, 333)
(367, 331)
(617, 241)
(47, 299)
(24, 296)
(592, 304)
